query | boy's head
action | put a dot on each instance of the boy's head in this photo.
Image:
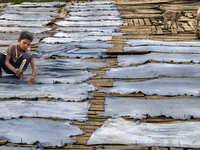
(25, 40)
(26, 35)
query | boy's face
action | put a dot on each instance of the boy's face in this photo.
(24, 44)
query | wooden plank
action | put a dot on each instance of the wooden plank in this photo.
(191, 24)
(129, 95)
(79, 147)
(195, 23)
(132, 7)
(159, 148)
(183, 19)
(102, 82)
(130, 2)
(186, 27)
(147, 21)
(145, 36)
(154, 22)
(159, 30)
(176, 148)
(133, 32)
(154, 30)
(127, 147)
(194, 14)
(189, 15)
(174, 31)
(130, 22)
(141, 21)
(138, 16)
(97, 109)
(146, 11)
(183, 37)
(97, 106)
(3, 142)
(186, 7)
(125, 7)
(76, 147)
(125, 23)
(136, 23)
(179, 29)
(136, 27)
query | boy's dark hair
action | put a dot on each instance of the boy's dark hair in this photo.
(26, 35)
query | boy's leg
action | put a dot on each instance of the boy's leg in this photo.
(2, 64)
(26, 56)
(17, 64)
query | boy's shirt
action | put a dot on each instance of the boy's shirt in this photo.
(12, 50)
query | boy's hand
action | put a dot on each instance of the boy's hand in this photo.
(31, 80)
(17, 72)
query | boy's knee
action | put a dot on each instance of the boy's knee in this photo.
(26, 56)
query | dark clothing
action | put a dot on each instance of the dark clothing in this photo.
(16, 64)
(12, 50)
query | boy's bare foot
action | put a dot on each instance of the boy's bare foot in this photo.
(22, 76)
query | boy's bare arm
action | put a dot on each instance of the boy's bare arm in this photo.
(7, 63)
(34, 71)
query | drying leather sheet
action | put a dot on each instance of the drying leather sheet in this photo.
(154, 70)
(48, 133)
(31, 9)
(89, 23)
(64, 92)
(24, 23)
(45, 76)
(165, 86)
(143, 108)
(82, 45)
(74, 53)
(66, 110)
(140, 59)
(76, 39)
(68, 64)
(121, 131)
(37, 4)
(19, 148)
(90, 18)
(89, 7)
(95, 13)
(165, 43)
(26, 17)
(19, 29)
(94, 29)
(165, 49)
(78, 34)
(45, 15)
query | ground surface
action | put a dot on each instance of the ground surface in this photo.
(143, 20)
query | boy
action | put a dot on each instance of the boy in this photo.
(16, 53)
